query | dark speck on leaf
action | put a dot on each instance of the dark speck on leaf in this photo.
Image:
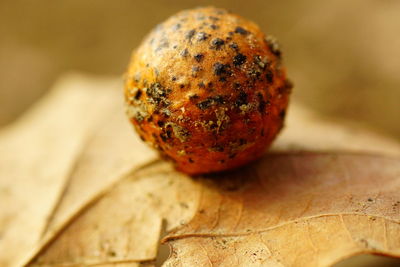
(239, 59)
(173, 78)
(184, 205)
(112, 253)
(241, 31)
(191, 160)
(216, 43)
(160, 123)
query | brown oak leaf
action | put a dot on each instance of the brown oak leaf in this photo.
(294, 210)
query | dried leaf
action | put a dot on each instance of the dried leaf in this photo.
(36, 154)
(125, 224)
(295, 210)
(112, 151)
(287, 209)
(111, 197)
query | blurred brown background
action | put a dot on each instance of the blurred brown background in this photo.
(343, 56)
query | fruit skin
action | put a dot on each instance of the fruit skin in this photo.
(208, 90)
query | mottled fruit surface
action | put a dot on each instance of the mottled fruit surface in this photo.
(207, 89)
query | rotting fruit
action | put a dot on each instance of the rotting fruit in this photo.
(207, 89)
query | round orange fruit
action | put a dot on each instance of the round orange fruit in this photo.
(208, 90)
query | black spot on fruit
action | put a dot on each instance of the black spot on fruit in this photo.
(239, 59)
(217, 43)
(198, 57)
(241, 30)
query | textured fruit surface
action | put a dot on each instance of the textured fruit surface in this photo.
(207, 89)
